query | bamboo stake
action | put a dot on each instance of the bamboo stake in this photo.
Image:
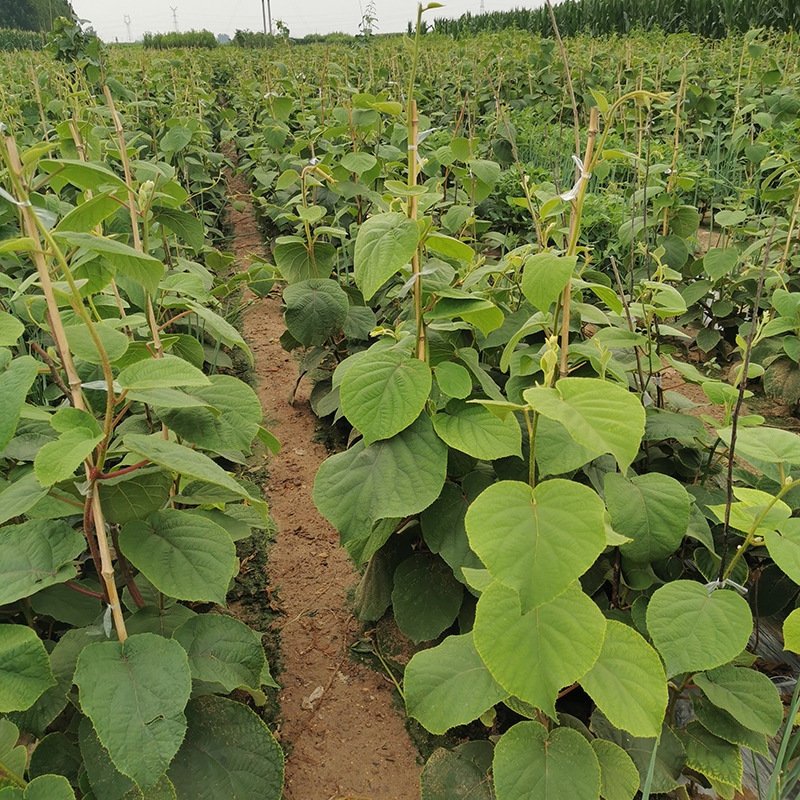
(412, 214)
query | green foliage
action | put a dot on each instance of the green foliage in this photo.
(166, 41)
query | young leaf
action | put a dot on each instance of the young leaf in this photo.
(155, 373)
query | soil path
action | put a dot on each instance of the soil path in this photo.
(345, 741)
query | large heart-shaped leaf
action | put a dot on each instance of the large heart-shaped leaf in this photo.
(24, 668)
(15, 382)
(135, 692)
(228, 752)
(297, 262)
(183, 555)
(650, 509)
(537, 541)
(384, 392)
(535, 655)
(222, 651)
(315, 310)
(750, 697)
(544, 277)
(477, 432)
(694, 630)
(449, 685)
(602, 416)
(391, 478)
(627, 682)
(532, 764)
(385, 243)
(35, 555)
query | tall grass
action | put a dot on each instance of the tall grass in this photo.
(709, 18)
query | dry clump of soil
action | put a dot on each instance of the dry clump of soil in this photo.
(343, 738)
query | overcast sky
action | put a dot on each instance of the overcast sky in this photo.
(226, 16)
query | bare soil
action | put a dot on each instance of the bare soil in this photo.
(343, 737)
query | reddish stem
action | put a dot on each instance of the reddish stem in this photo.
(104, 476)
(80, 589)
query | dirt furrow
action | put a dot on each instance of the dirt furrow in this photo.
(344, 738)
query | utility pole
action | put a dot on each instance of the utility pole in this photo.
(174, 10)
(483, 7)
(127, 20)
(265, 13)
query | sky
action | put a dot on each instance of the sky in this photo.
(108, 17)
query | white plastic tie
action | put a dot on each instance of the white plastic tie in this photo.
(722, 584)
(107, 619)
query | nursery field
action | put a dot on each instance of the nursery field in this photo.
(542, 300)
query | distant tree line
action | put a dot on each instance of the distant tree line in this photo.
(33, 15)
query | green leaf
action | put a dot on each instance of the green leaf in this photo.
(114, 342)
(182, 555)
(316, 309)
(750, 697)
(729, 218)
(384, 392)
(156, 373)
(90, 213)
(545, 276)
(358, 162)
(532, 764)
(49, 787)
(220, 327)
(392, 478)
(599, 415)
(619, 779)
(18, 497)
(184, 225)
(36, 554)
(83, 174)
(791, 631)
(557, 453)
(385, 243)
(107, 782)
(459, 774)
(711, 756)
(650, 509)
(57, 461)
(426, 598)
(450, 247)
(228, 752)
(139, 267)
(784, 547)
(176, 139)
(135, 692)
(479, 433)
(773, 445)
(535, 655)
(190, 463)
(222, 651)
(10, 329)
(694, 630)
(161, 621)
(230, 419)
(453, 380)
(537, 541)
(296, 262)
(722, 724)
(449, 685)
(627, 682)
(15, 383)
(24, 668)
(134, 495)
(718, 261)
